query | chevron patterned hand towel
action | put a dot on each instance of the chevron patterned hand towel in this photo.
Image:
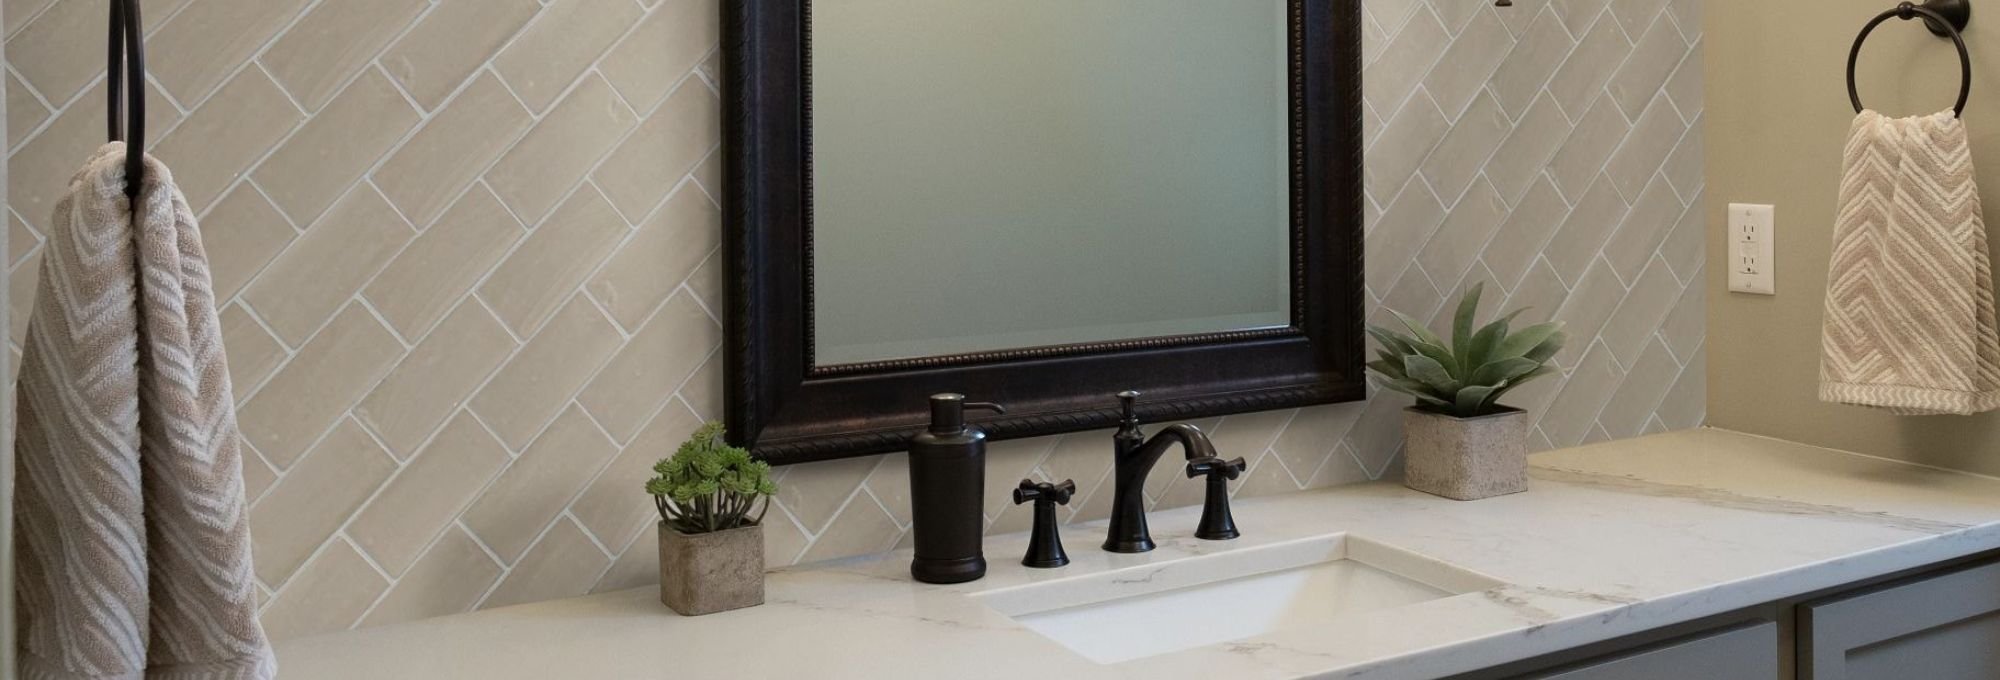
(1910, 323)
(133, 553)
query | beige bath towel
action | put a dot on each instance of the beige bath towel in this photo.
(1909, 306)
(134, 545)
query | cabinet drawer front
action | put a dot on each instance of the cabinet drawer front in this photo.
(1746, 653)
(1944, 627)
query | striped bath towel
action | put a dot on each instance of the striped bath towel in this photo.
(1910, 323)
(133, 553)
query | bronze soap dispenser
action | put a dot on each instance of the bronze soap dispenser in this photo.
(947, 493)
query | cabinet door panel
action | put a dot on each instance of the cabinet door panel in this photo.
(1748, 653)
(1944, 627)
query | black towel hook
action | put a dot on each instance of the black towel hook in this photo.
(127, 95)
(1945, 18)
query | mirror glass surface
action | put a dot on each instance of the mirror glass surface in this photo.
(1025, 173)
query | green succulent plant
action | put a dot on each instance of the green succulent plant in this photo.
(1467, 377)
(709, 486)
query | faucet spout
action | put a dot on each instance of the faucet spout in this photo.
(1135, 457)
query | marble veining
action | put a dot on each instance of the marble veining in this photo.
(1611, 539)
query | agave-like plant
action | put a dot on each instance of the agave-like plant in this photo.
(1466, 378)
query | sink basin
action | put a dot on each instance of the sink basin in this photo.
(1165, 607)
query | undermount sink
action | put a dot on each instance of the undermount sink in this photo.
(1166, 607)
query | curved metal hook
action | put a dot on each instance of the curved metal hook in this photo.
(126, 119)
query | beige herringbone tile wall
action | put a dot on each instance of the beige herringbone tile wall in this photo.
(467, 250)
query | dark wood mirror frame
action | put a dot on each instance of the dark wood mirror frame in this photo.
(788, 410)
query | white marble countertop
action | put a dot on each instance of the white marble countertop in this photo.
(1611, 539)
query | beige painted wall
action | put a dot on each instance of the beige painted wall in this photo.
(1778, 113)
(467, 249)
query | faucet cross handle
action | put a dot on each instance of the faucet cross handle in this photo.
(1030, 490)
(1216, 522)
(1216, 467)
(1045, 550)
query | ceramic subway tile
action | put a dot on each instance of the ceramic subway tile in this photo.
(1635, 15)
(441, 266)
(670, 42)
(22, 240)
(1685, 404)
(561, 148)
(662, 150)
(1590, 144)
(638, 564)
(814, 491)
(1513, 249)
(703, 391)
(324, 378)
(38, 171)
(1573, 414)
(328, 595)
(611, 507)
(660, 356)
(1535, 56)
(335, 148)
(533, 387)
(1654, 56)
(314, 499)
(449, 579)
(253, 353)
(1652, 374)
(1687, 322)
(242, 234)
(1466, 149)
(1405, 60)
(1585, 232)
(450, 43)
(1684, 167)
(1340, 469)
(1684, 87)
(63, 51)
(1402, 232)
(1581, 77)
(323, 269)
(666, 249)
(862, 527)
(333, 41)
(1646, 147)
(436, 377)
(889, 483)
(258, 476)
(1006, 463)
(1378, 433)
(1411, 134)
(1590, 304)
(1686, 245)
(219, 141)
(24, 112)
(533, 282)
(1639, 235)
(428, 494)
(1518, 163)
(195, 51)
(20, 12)
(552, 51)
(1457, 243)
(452, 149)
(513, 511)
(563, 564)
(1472, 58)
(1652, 296)
(1268, 478)
(784, 543)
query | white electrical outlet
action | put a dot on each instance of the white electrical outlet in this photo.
(1753, 262)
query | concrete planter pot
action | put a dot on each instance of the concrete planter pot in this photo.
(1466, 458)
(714, 572)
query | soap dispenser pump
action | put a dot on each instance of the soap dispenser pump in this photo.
(947, 493)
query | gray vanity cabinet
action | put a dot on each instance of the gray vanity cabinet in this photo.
(1944, 627)
(1745, 653)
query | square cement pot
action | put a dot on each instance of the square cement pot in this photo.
(713, 572)
(1466, 458)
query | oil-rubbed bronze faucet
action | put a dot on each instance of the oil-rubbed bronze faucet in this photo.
(1135, 456)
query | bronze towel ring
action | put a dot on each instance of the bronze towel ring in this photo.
(1945, 18)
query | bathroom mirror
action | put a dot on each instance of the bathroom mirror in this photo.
(1039, 203)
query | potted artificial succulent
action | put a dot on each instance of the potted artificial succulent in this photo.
(1461, 442)
(711, 545)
